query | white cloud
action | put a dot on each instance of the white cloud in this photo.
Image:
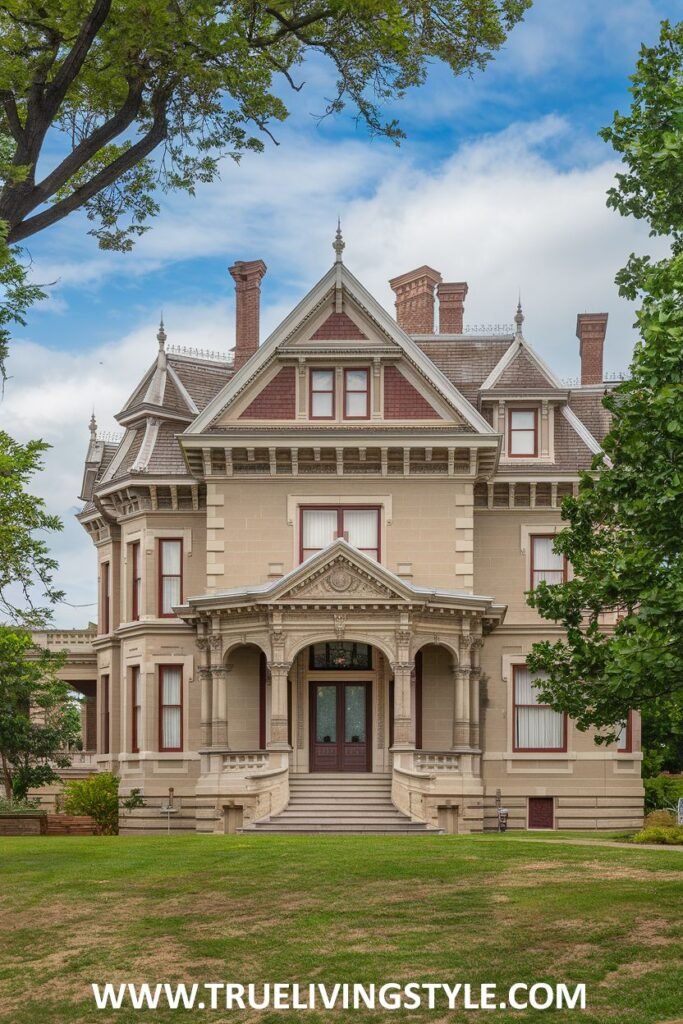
(497, 213)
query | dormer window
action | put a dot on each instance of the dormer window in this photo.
(523, 433)
(322, 394)
(356, 395)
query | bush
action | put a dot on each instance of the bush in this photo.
(19, 806)
(98, 796)
(672, 836)
(663, 818)
(662, 792)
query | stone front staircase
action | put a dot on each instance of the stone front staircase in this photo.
(341, 803)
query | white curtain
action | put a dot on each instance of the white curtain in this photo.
(522, 432)
(322, 393)
(319, 528)
(537, 727)
(170, 557)
(137, 708)
(548, 564)
(356, 393)
(170, 593)
(171, 694)
(361, 527)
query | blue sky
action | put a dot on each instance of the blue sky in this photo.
(500, 182)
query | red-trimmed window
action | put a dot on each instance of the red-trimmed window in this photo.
(320, 525)
(135, 582)
(105, 598)
(106, 720)
(322, 394)
(522, 433)
(625, 741)
(136, 706)
(170, 707)
(356, 394)
(537, 727)
(170, 576)
(547, 565)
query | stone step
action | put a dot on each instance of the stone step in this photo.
(311, 829)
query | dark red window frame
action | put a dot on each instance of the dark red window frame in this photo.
(522, 455)
(106, 717)
(136, 581)
(543, 536)
(262, 681)
(628, 736)
(339, 509)
(162, 669)
(163, 575)
(533, 750)
(322, 391)
(353, 369)
(135, 686)
(105, 582)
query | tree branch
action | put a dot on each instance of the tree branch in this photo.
(12, 114)
(72, 63)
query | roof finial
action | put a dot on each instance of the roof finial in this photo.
(161, 333)
(93, 425)
(519, 317)
(338, 245)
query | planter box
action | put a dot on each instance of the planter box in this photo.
(29, 823)
(70, 825)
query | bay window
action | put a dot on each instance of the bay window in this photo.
(522, 433)
(322, 525)
(170, 576)
(105, 715)
(105, 597)
(170, 707)
(136, 705)
(546, 564)
(136, 582)
(537, 727)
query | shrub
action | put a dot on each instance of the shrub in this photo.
(656, 818)
(19, 806)
(669, 836)
(98, 796)
(662, 792)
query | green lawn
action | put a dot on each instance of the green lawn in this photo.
(479, 909)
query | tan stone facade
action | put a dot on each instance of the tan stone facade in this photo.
(294, 580)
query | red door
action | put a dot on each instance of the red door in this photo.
(541, 812)
(340, 718)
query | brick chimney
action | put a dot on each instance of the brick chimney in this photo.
(590, 330)
(247, 277)
(415, 300)
(451, 306)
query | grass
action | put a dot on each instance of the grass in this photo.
(488, 908)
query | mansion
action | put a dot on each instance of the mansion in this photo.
(312, 563)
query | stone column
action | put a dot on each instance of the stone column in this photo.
(461, 718)
(475, 674)
(404, 734)
(206, 683)
(219, 701)
(279, 723)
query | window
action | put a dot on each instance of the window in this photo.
(537, 727)
(322, 395)
(358, 526)
(356, 395)
(170, 707)
(546, 565)
(625, 741)
(136, 704)
(170, 575)
(340, 654)
(136, 582)
(105, 599)
(522, 433)
(105, 715)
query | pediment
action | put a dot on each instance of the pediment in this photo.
(339, 575)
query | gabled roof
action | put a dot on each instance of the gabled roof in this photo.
(337, 281)
(345, 575)
(502, 374)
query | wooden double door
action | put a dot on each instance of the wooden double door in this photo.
(340, 726)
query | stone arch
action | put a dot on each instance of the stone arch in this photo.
(233, 644)
(420, 642)
(244, 664)
(352, 636)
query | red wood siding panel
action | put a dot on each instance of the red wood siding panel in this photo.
(402, 401)
(277, 401)
(541, 812)
(338, 327)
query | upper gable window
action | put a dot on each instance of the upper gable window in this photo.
(523, 433)
(322, 395)
(356, 394)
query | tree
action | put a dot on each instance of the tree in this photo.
(89, 90)
(39, 717)
(24, 557)
(625, 533)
